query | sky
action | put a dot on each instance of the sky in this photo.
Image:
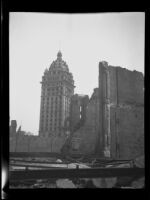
(84, 40)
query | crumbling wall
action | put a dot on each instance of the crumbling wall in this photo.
(123, 96)
(114, 125)
(127, 132)
(84, 139)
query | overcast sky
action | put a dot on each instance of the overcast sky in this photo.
(84, 40)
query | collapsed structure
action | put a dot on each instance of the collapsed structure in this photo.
(109, 124)
(114, 125)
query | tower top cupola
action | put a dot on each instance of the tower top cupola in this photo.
(59, 55)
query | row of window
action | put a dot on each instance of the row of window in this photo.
(52, 112)
(51, 107)
(50, 94)
(51, 115)
(51, 123)
(52, 99)
(62, 77)
(48, 104)
(51, 84)
(52, 104)
(56, 88)
(52, 119)
(49, 129)
(52, 126)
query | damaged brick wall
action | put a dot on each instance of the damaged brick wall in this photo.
(114, 125)
(122, 107)
(84, 139)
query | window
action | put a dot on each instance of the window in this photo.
(80, 108)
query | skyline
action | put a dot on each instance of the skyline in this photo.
(84, 40)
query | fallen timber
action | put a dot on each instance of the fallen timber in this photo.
(66, 164)
(67, 161)
(84, 162)
(12, 161)
(95, 167)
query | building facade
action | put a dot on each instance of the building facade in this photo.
(56, 92)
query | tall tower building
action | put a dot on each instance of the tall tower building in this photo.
(56, 92)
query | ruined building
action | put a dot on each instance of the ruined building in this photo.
(114, 125)
(57, 89)
(84, 137)
(108, 124)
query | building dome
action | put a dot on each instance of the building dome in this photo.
(59, 64)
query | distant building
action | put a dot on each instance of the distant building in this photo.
(56, 92)
(13, 127)
(14, 131)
